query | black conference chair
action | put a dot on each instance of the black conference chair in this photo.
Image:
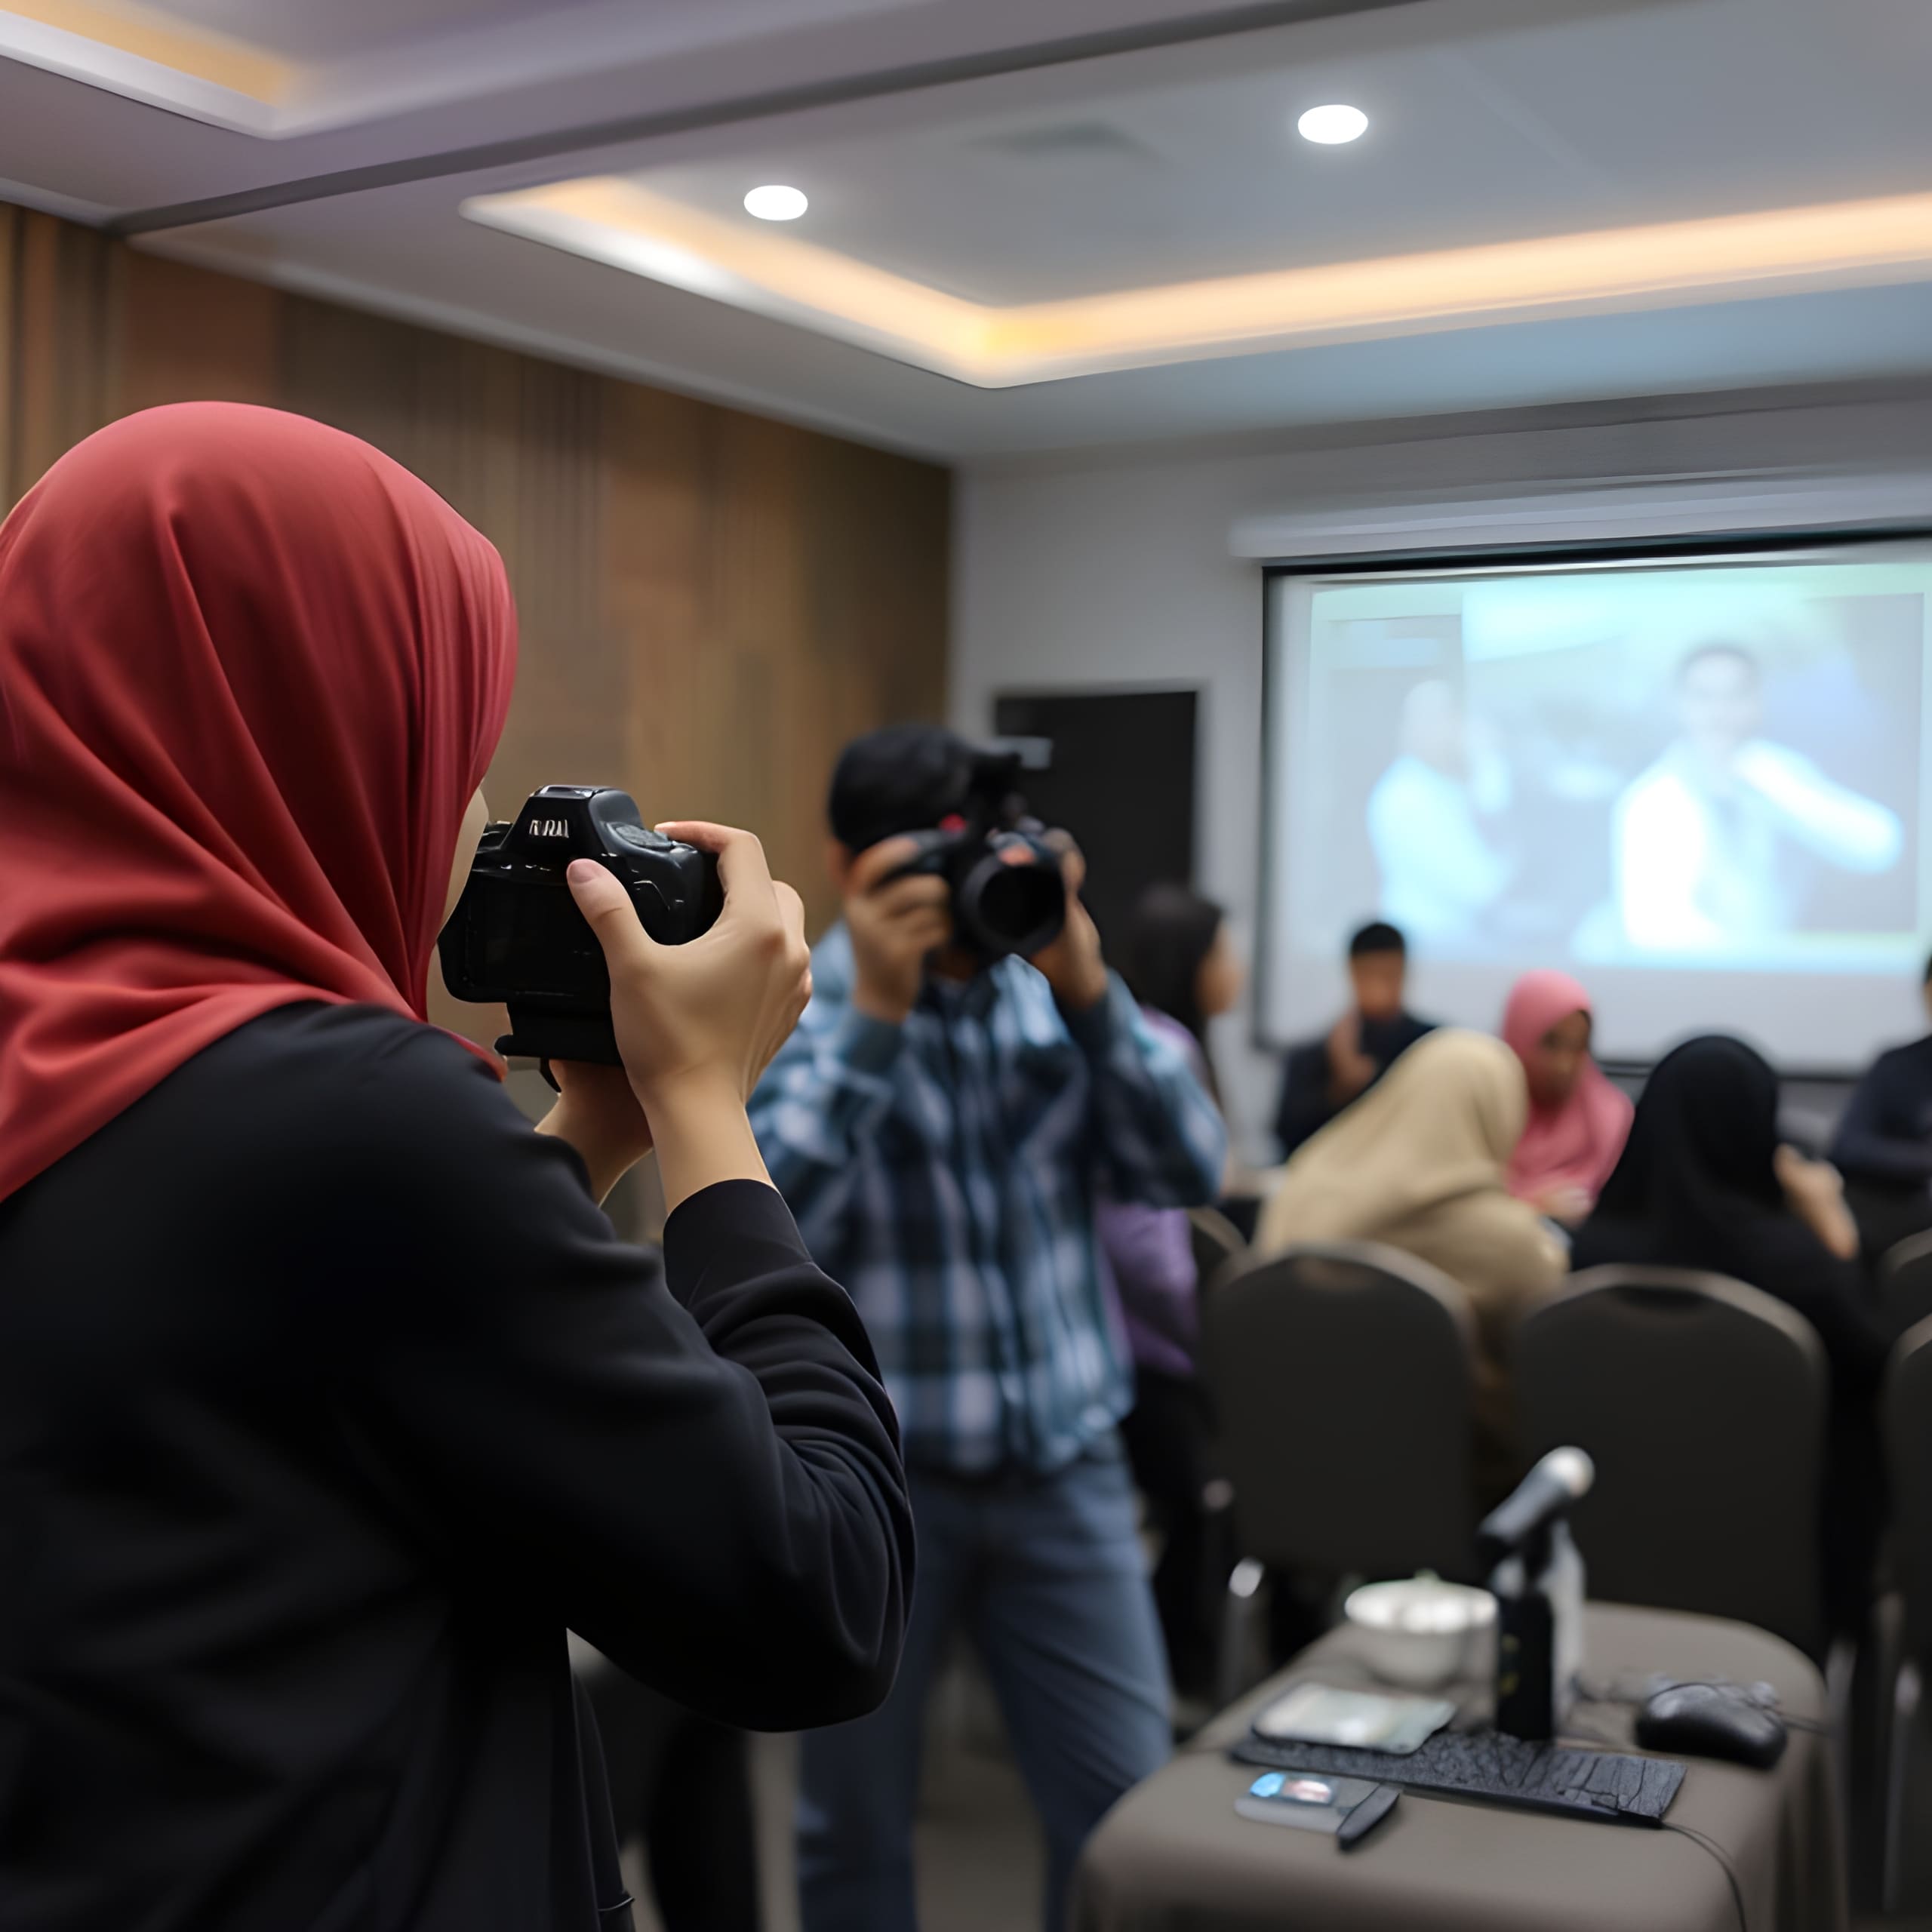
(1342, 1380)
(1216, 1242)
(1907, 1856)
(1904, 1281)
(1704, 1404)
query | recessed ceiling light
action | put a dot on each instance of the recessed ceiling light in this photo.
(774, 203)
(1331, 125)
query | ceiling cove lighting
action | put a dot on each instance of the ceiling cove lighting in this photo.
(142, 53)
(1332, 126)
(1887, 240)
(777, 203)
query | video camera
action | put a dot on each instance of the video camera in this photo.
(1009, 895)
(516, 937)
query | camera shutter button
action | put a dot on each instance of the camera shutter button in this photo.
(641, 838)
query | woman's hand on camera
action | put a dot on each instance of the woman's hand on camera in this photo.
(597, 1113)
(895, 924)
(696, 1024)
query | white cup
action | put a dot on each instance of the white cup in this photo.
(1423, 1633)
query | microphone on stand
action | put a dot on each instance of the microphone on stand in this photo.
(1562, 1479)
(1537, 1579)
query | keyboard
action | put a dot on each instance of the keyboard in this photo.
(1611, 1785)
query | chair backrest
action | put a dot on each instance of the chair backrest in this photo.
(1703, 1404)
(1341, 1375)
(1904, 1281)
(1216, 1242)
(1908, 1445)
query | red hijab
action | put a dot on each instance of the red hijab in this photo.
(1576, 1144)
(250, 673)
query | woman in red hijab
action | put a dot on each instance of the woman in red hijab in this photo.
(329, 1399)
(1578, 1120)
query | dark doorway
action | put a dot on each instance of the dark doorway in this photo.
(1121, 779)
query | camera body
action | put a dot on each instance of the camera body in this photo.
(1008, 893)
(517, 938)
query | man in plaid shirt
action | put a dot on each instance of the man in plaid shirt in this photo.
(940, 1127)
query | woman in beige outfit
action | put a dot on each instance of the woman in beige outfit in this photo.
(1417, 1164)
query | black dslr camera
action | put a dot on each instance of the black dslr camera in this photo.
(516, 937)
(1009, 895)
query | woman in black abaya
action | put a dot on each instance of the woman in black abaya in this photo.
(1704, 1182)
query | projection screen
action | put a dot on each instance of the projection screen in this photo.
(1696, 782)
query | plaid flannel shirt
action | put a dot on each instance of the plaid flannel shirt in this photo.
(945, 1170)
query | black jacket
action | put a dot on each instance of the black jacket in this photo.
(1886, 1133)
(329, 1399)
(1306, 1106)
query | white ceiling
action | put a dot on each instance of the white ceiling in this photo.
(1491, 119)
(342, 29)
(1484, 128)
(279, 69)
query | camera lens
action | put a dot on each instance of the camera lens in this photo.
(1009, 907)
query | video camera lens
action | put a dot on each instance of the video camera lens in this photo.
(1012, 899)
(1009, 896)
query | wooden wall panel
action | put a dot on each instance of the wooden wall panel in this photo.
(62, 288)
(711, 603)
(203, 337)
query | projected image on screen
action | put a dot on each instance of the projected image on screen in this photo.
(1696, 774)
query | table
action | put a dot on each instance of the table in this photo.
(1174, 1856)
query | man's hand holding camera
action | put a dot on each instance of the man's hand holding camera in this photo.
(896, 923)
(1072, 964)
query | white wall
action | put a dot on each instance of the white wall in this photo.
(1114, 569)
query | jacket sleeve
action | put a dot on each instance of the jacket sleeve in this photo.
(1869, 1145)
(1150, 1253)
(821, 1100)
(1160, 1139)
(1658, 842)
(692, 1465)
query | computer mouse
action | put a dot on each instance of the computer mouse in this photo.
(1712, 1721)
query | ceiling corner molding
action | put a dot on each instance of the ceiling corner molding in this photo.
(453, 318)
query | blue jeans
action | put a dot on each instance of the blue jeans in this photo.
(1048, 1580)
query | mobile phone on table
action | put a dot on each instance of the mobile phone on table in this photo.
(1348, 1809)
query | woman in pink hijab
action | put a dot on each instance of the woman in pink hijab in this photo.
(1578, 1120)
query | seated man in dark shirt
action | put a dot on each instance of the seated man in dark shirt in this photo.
(1322, 1076)
(1883, 1144)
